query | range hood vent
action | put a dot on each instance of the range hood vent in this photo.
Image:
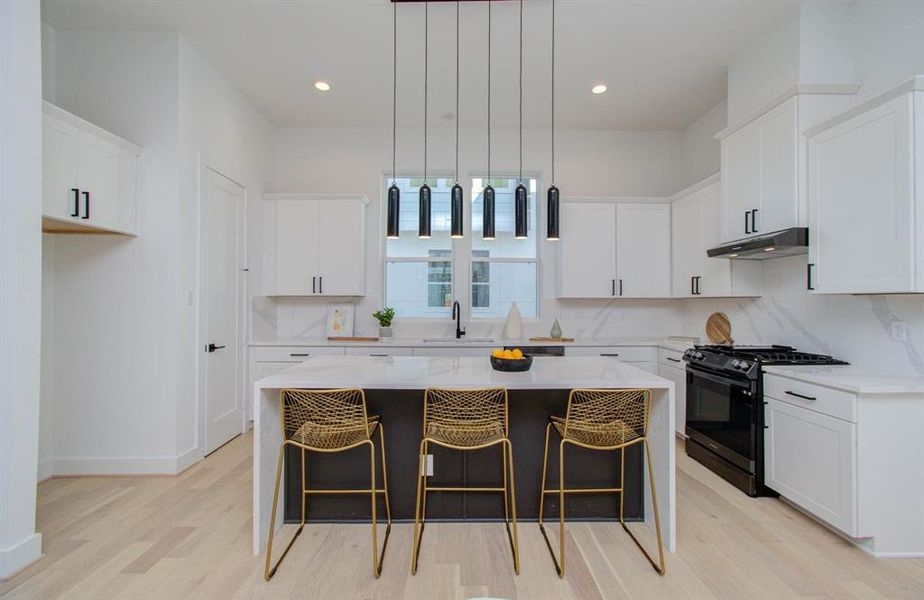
(786, 242)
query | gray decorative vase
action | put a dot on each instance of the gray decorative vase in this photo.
(384, 332)
(556, 329)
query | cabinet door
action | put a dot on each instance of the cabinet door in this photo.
(740, 181)
(715, 273)
(679, 378)
(643, 250)
(60, 176)
(341, 248)
(587, 250)
(107, 176)
(779, 187)
(687, 236)
(861, 202)
(810, 459)
(296, 247)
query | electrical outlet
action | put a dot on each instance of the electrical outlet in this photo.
(428, 466)
(899, 331)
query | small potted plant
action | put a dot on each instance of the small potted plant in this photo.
(384, 316)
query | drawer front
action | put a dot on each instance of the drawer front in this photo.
(292, 353)
(443, 351)
(377, 351)
(671, 358)
(827, 401)
(624, 353)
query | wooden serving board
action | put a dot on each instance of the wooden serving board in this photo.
(551, 339)
(351, 339)
(718, 329)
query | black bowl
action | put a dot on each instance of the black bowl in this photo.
(512, 365)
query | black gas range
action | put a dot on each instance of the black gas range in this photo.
(725, 408)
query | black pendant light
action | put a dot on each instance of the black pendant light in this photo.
(520, 203)
(487, 229)
(393, 225)
(456, 196)
(552, 222)
(423, 226)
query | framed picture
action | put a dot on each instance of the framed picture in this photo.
(340, 320)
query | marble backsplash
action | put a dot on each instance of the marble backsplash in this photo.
(855, 328)
(306, 318)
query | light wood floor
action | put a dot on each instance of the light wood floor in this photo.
(189, 536)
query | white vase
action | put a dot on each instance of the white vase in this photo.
(513, 328)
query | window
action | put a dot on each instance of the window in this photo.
(504, 270)
(419, 279)
(418, 273)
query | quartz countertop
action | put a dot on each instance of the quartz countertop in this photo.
(672, 343)
(850, 378)
(421, 372)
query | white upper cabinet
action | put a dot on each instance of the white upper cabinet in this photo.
(760, 186)
(314, 245)
(612, 250)
(643, 250)
(89, 176)
(866, 213)
(695, 226)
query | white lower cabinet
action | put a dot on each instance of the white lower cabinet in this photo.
(460, 351)
(670, 366)
(643, 357)
(811, 461)
(378, 351)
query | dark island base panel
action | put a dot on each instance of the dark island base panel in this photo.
(402, 414)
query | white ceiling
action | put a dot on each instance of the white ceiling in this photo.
(663, 60)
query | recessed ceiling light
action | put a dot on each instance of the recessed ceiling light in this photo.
(598, 89)
(322, 86)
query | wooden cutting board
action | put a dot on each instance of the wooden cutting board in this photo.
(718, 329)
(551, 339)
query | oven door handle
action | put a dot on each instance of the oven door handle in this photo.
(718, 379)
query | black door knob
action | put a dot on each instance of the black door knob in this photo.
(213, 348)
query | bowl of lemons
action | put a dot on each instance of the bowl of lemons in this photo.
(510, 361)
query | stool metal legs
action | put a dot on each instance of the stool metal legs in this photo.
(510, 505)
(373, 492)
(562, 490)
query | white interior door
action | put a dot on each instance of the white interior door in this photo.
(222, 299)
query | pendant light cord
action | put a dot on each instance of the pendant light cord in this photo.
(457, 91)
(489, 92)
(426, 66)
(521, 92)
(394, 94)
(553, 92)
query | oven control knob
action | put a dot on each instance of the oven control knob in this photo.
(698, 356)
(736, 364)
(744, 366)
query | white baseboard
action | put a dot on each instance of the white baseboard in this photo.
(168, 465)
(18, 557)
(46, 469)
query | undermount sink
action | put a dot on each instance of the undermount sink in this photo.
(458, 341)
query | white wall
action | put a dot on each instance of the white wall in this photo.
(700, 150)
(589, 163)
(124, 326)
(888, 44)
(20, 280)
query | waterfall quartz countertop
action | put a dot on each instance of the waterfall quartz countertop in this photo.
(418, 373)
(678, 343)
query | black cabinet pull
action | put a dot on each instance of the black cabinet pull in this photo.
(808, 276)
(613, 354)
(747, 227)
(314, 285)
(76, 212)
(213, 348)
(86, 205)
(321, 284)
(754, 221)
(801, 396)
(620, 287)
(379, 355)
(612, 287)
(692, 286)
(676, 360)
(299, 354)
(698, 279)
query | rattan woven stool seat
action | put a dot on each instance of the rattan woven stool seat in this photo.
(465, 434)
(613, 433)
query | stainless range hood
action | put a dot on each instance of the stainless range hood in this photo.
(786, 242)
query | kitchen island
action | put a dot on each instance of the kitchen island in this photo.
(394, 388)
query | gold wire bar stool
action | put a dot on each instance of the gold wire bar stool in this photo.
(600, 419)
(466, 419)
(329, 421)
